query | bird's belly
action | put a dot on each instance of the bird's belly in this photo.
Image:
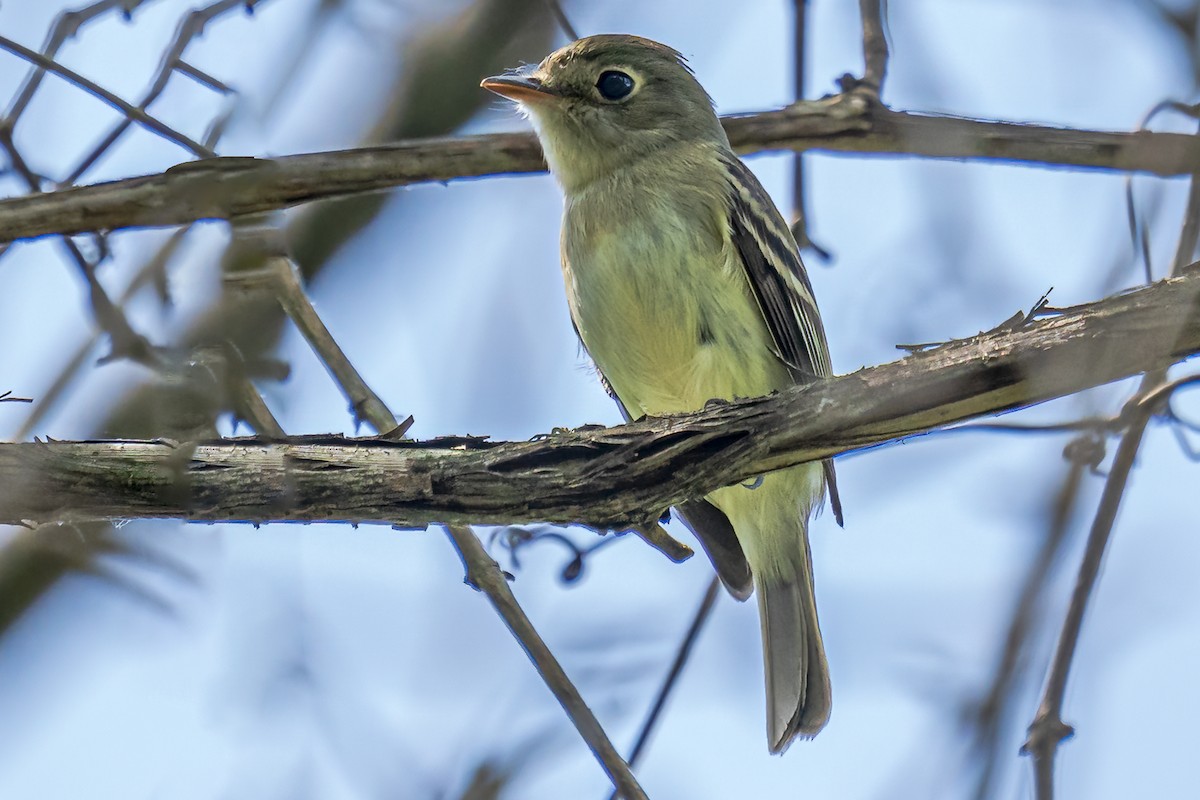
(670, 334)
(685, 377)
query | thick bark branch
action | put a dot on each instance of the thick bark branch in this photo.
(222, 188)
(612, 477)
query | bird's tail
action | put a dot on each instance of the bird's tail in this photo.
(798, 691)
(770, 518)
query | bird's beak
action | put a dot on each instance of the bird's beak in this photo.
(521, 88)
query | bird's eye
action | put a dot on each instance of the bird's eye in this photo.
(614, 85)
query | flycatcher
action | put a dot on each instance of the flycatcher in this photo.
(685, 285)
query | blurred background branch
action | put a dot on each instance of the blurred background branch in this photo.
(484, 574)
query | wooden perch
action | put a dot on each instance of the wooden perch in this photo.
(223, 188)
(608, 478)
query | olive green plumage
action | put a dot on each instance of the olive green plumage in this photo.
(685, 285)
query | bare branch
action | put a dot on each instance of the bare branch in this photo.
(681, 657)
(99, 92)
(608, 478)
(223, 188)
(125, 342)
(875, 47)
(993, 710)
(800, 217)
(153, 270)
(66, 25)
(485, 575)
(422, 101)
(260, 243)
(250, 405)
(192, 26)
(1048, 728)
(560, 17)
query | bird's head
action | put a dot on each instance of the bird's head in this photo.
(603, 102)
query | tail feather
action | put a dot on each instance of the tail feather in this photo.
(771, 524)
(798, 691)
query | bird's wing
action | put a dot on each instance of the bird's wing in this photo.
(716, 535)
(781, 287)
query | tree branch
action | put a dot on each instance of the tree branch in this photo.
(130, 111)
(485, 575)
(609, 478)
(221, 188)
(875, 46)
(800, 219)
(992, 712)
(263, 262)
(1048, 728)
(682, 654)
(66, 26)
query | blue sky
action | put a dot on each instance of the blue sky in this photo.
(320, 661)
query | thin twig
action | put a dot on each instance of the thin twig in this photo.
(66, 25)
(1096, 424)
(152, 271)
(260, 242)
(1155, 397)
(681, 657)
(365, 404)
(123, 339)
(875, 47)
(203, 78)
(17, 162)
(485, 575)
(1048, 728)
(560, 17)
(192, 26)
(250, 406)
(799, 33)
(995, 708)
(97, 91)
(800, 226)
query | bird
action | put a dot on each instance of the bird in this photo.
(685, 286)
